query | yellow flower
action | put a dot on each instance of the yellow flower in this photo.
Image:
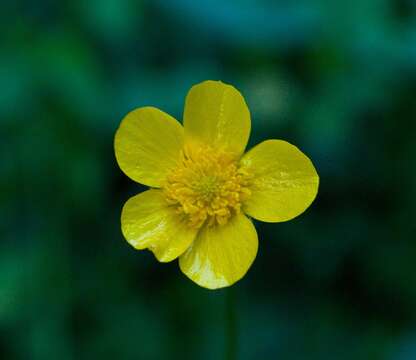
(204, 189)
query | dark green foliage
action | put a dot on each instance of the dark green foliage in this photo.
(338, 79)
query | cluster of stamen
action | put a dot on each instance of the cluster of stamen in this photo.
(207, 186)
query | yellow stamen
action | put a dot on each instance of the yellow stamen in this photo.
(207, 186)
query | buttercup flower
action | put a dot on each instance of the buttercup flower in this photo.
(203, 189)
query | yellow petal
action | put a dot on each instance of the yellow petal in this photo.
(147, 145)
(221, 254)
(148, 222)
(217, 115)
(285, 181)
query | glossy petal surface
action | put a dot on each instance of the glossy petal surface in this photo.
(285, 181)
(147, 145)
(217, 115)
(148, 222)
(221, 255)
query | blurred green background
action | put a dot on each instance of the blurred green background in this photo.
(338, 79)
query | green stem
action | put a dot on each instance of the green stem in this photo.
(231, 325)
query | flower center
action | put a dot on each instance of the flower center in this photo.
(207, 186)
